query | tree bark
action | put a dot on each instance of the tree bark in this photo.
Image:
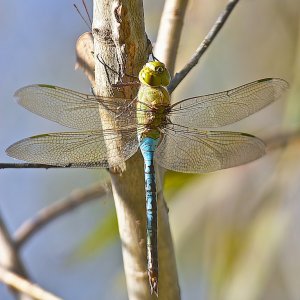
(120, 41)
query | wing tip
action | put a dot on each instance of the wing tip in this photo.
(284, 85)
(10, 151)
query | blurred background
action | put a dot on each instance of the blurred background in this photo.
(236, 231)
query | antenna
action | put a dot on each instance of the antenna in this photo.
(89, 25)
(87, 12)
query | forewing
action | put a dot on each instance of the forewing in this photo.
(77, 149)
(227, 107)
(73, 109)
(195, 151)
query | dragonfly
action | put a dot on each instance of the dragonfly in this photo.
(175, 136)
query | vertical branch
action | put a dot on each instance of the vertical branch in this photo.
(204, 44)
(170, 27)
(121, 42)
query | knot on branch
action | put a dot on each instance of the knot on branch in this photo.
(103, 35)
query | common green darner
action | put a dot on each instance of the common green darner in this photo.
(171, 135)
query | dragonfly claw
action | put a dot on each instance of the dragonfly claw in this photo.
(153, 281)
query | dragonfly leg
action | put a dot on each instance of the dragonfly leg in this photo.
(153, 57)
(119, 73)
(106, 68)
(129, 107)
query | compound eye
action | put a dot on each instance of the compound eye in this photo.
(159, 69)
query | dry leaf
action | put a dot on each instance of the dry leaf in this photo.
(85, 55)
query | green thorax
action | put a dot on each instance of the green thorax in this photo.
(153, 99)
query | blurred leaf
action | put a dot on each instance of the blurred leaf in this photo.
(175, 181)
(104, 233)
(253, 267)
(293, 107)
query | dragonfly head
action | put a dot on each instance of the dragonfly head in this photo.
(154, 73)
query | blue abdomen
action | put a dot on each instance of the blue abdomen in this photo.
(148, 146)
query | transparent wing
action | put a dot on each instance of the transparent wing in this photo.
(73, 109)
(77, 149)
(227, 107)
(195, 151)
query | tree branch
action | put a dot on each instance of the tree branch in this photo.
(203, 46)
(121, 42)
(281, 140)
(57, 209)
(9, 257)
(24, 286)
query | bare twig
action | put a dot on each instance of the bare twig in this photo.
(281, 140)
(24, 286)
(27, 166)
(48, 214)
(203, 46)
(171, 23)
(9, 257)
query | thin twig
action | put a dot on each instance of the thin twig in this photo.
(281, 140)
(24, 286)
(203, 46)
(27, 166)
(48, 214)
